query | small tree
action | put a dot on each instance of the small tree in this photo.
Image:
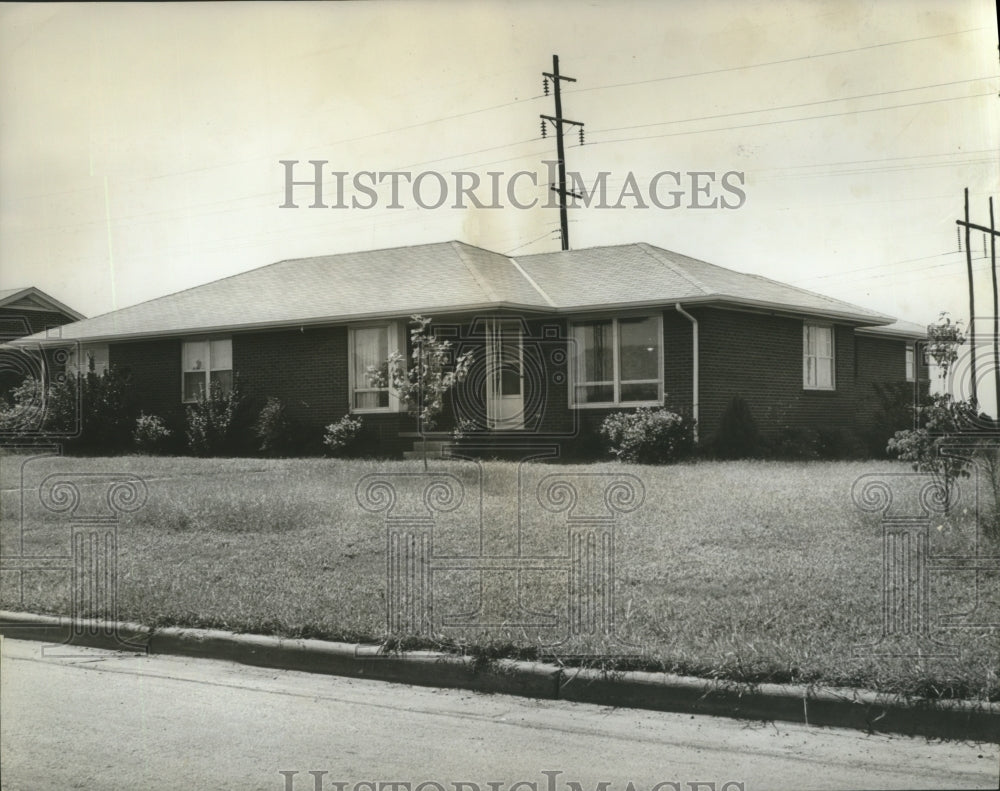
(423, 384)
(944, 338)
(938, 422)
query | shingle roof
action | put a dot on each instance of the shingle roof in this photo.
(898, 329)
(642, 273)
(449, 277)
(10, 297)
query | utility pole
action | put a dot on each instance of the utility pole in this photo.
(558, 121)
(972, 300)
(993, 232)
(996, 311)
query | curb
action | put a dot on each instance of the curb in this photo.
(839, 708)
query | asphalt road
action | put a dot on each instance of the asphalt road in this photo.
(102, 720)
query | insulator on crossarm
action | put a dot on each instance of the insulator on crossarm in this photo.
(543, 127)
(545, 85)
(958, 233)
(581, 135)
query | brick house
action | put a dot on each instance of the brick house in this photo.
(560, 340)
(23, 312)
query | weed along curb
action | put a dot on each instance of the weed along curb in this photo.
(844, 708)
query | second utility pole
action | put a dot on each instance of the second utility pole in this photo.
(558, 120)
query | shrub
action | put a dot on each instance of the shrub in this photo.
(836, 444)
(340, 437)
(894, 412)
(737, 437)
(151, 434)
(213, 422)
(275, 430)
(86, 413)
(793, 443)
(648, 436)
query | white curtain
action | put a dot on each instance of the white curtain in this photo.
(371, 349)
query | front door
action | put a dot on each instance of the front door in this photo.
(505, 375)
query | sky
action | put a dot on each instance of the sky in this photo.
(140, 144)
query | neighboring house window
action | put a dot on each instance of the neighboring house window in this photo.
(86, 355)
(909, 362)
(617, 361)
(370, 347)
(204, 363)
(817, 357)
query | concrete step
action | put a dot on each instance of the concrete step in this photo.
(431, 454)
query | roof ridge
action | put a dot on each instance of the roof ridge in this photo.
(531, 281)
(478, 276)
(649, 249)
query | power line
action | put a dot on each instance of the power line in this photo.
(802, 104)
(791, 120)
(547, 234)
(884, 159)
(911, 272)
(873, 266)
(775, 62)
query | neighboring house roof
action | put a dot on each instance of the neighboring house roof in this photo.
(451, 277)
(32, 298)
(899, 329)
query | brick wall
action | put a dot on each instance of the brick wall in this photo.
(756, 356)
(306, 370)
(759, 357)
(883, 361)
(155, 369)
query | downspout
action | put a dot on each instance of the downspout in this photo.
(694, 367)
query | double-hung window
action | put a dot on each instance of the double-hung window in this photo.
(817, 357)
(910, 359)
(617, 362)
(206, 363)
(370, 347)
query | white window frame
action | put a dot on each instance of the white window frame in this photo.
(208, 369)
(615, 365)
(911, 362)
(396, 341)
(806, 385)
